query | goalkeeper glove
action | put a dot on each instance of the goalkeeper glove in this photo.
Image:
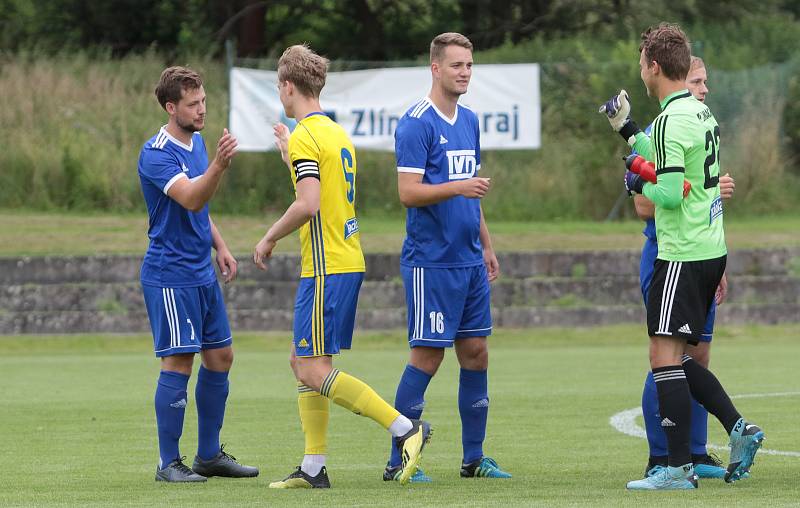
(633, 183)
(618, 111)
(638, 165)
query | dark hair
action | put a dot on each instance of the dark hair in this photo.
(667, 45)
(173, 82)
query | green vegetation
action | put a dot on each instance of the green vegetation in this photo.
(74, 120)
(57, 234)
(84, 430)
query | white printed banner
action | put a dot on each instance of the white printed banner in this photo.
(369, 103)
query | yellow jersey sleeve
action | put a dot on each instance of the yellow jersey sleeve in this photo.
(304, 154)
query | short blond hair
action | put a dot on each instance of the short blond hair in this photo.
(441, 41)
(696, 63)
(305, 69)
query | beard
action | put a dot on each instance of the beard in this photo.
(188, 126)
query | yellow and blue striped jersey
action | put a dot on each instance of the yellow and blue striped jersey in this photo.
(329, 242)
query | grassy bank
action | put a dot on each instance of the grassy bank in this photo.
(74, 123)
(41, 234)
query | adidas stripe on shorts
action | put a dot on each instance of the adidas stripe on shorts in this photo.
(187, 320)
(325, 313)
(681, 294)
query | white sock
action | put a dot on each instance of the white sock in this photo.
(400, 426)
(312, 464)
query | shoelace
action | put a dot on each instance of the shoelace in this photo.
(714, 459)
(183, 468)
(226, 455)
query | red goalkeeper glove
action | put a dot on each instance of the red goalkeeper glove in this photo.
(647, 170)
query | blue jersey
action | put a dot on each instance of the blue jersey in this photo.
(179, 254)
(445, 234)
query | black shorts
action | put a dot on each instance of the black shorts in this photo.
(680, 296)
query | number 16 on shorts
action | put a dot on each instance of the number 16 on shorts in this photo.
(437, 322)
(446, 304)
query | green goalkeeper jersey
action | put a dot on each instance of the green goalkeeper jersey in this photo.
(684, 143)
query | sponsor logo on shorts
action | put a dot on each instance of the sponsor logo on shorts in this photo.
(716, 210)
(666, 422)
(350, 228)
(303, 342)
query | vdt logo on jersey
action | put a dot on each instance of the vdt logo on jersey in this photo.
(461, 164)
(715, 211)
(350, 228)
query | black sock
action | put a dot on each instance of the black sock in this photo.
(707, 390)
(675, 406)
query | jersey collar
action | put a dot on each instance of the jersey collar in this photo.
(673, 97)
(176, 141)
(451, 121)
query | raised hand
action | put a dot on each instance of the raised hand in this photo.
(282, 140)
(226, 149)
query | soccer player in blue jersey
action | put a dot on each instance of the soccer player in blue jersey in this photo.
(706, 466)
(447, 260)
(184, 301)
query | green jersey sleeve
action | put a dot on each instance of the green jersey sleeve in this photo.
(642, 146)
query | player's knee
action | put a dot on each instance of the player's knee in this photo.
(311, 371)
(473, 354)
(219, 360)
(181, 363)
(476, 360)
(427, 359)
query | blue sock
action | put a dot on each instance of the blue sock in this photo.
(699, 429)
(211, 393)
(473, 405)
(409, 400)
(656, 438)
(170, 402)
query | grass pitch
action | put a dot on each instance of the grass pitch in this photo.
(79, 428)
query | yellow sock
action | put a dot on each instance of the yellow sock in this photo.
(314, 410)
(355, 395)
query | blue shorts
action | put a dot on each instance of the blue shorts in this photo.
(325, 313)
(187, 320)
(445, 304)
(646, 268)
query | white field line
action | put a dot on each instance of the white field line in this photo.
(625, 422)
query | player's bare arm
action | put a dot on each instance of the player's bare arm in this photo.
(194, 194)
(645, 209)
(489, 257)
(304, 207)
(225, 261)
(413, 192)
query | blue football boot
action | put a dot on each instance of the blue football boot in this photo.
(667, 478)
(484, 467)
(746, 439)
(708, 466)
